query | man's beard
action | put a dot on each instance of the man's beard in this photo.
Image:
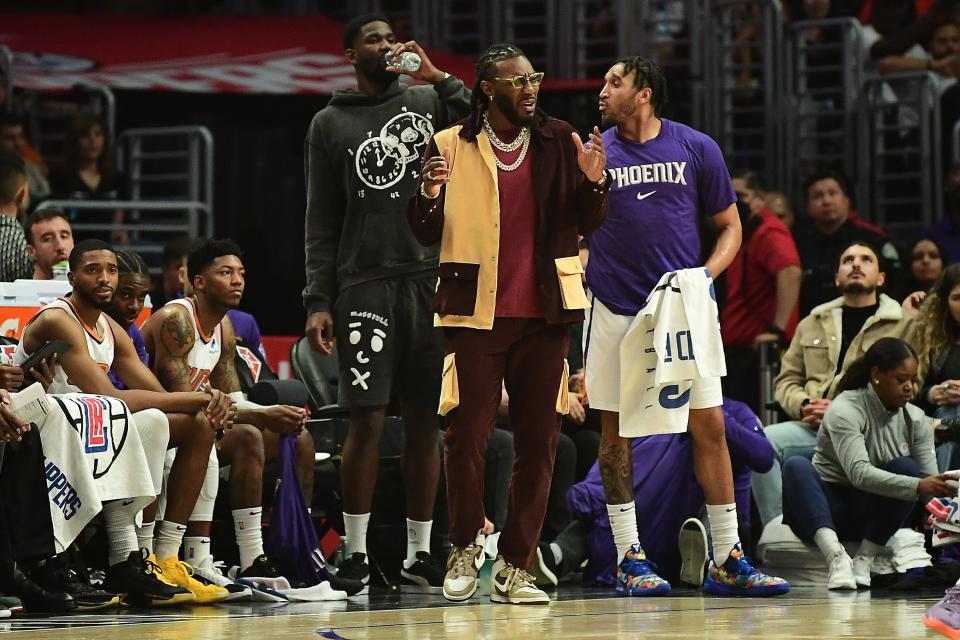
(379, 73)
(511, 114)
(611, 118)
(92, 300)
(858, 288)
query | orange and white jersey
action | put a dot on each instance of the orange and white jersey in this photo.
(100, 345)
(205, 354)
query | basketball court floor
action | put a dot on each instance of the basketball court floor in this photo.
(807, 612)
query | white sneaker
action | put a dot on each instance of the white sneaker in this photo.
(777, 536)
(513, 585)
(841, 573)
(693, 552)
(861, 570)
(463, 570)
(212, 572)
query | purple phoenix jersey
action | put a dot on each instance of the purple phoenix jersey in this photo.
(660, 189)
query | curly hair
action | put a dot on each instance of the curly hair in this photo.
(936, 327)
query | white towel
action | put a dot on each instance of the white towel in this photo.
(674, 340)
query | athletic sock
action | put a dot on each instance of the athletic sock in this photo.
(246, 526)
(623, 522)
(169, 537)
(869, 549)
(418, 539)
(145, 536)
(828, 543)
(355, 530)
(723, 530)
(121, 531)
(196, 549)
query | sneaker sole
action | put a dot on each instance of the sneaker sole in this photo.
(640, 592)
(940, 627)
(844, 587)
(460, 598)
(715, 589)
(95, 606)
(497, 598)
(693, 552)
(146, 601)
(540, 567)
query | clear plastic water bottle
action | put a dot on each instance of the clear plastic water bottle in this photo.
(407, 60)
(60, 270)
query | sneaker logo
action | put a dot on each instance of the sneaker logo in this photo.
(499, 586)
(127, 503)
(478, 561)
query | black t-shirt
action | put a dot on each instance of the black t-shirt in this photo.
(853, 319)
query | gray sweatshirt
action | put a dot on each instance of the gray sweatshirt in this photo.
(362, 156)
(859, 434)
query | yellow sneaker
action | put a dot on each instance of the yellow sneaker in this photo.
(181, 574)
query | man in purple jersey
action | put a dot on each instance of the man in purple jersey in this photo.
(665, 178)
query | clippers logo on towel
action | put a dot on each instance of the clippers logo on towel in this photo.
(102, 425)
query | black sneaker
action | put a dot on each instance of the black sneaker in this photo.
(262, 567)
(355, 568)
(545, 568)
(140, 582)
(13, 604)
(34, 598)
(57, 573)
(424, 575)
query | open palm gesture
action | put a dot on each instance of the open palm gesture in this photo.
(591, 158)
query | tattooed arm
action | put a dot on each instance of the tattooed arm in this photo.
(224, 375)
(615, 462)
(169, 337)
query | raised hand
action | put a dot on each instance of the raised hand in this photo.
(591, 158)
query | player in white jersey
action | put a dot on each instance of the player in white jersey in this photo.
(188, 421)
(192, 341)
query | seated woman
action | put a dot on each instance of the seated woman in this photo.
(874, 457)
(938, 345)
(926, 265)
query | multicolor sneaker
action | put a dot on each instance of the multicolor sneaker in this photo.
(944, 617)
(181, 574)
(738, 577)
(636, 576)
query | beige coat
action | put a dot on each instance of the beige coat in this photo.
(808, 368)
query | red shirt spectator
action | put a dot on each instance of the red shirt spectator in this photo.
(752, 282)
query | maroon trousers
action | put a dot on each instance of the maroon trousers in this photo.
(528, 356)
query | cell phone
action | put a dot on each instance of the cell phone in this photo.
(46, 351)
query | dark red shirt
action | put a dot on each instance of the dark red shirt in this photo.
(517, 295)
(752, 305)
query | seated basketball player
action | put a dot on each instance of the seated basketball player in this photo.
(192, 343)
(133, 283)
(184, 420)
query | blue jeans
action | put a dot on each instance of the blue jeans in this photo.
(789, 439)
(811, 504)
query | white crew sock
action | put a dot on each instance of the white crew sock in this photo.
(246, 526)
(828, 542)
(623, 522)
(869, 549)
(145, 536)
(355, 529)
(169, 537)
(418, 539)
(121, 531)
(723, 530)
(196, 549)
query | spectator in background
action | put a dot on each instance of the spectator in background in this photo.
(940, 56)
(926, 264)
(831, 226)
(49, 242)
(173, 274)
(777, 202)
(13, 139)
(826, 342)
(763, 286)
(14, 197)
(947, 231)
(892, 27)
(874, 459)
(133, 282)
(88, 172)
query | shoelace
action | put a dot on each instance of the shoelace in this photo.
(460, 559)
(951, 597)
(515, 575)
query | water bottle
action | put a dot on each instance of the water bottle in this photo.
(60, 270)
(408, 61)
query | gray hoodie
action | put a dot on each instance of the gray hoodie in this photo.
(361, 157)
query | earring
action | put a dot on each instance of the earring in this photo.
(875, 381)
(491, 98)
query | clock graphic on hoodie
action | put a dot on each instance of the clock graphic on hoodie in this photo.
(382, 160)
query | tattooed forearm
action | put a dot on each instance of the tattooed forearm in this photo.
(616, 470)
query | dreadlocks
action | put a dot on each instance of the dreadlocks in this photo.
(648, 74)
(486, 70)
